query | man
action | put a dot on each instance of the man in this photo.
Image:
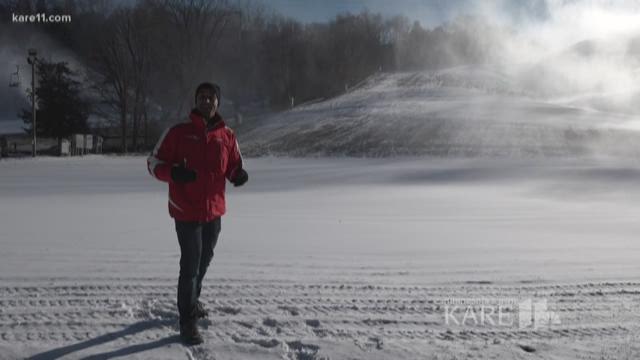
(195, 158)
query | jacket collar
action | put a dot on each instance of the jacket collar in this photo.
(200, 123)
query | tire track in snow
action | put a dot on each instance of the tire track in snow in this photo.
(277, 313)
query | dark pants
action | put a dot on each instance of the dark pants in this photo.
(197, 241)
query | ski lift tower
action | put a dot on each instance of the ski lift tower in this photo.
(14, 80)
(32, 59)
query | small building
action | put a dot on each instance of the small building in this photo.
(65, 147)
(77, 144)
(88, 143)
(97, 144)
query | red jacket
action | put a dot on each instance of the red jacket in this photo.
(212, 152)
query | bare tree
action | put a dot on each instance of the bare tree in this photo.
(113, 63)
(190, 42)
(138, 44)
(124, 61)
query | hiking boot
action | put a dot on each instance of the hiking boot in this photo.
(199, 311)
(189, 333)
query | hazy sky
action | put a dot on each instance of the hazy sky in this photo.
(428, 12)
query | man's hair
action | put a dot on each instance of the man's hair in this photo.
(214, 88)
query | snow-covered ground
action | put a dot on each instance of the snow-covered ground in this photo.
(325, 258)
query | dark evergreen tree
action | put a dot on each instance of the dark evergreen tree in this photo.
(61, 108)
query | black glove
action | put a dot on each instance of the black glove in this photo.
(180, 174)
(241, 178)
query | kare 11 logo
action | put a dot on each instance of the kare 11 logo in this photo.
(524, 314)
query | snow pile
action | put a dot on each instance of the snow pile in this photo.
(464, 111)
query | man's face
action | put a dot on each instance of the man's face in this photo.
(207, 102)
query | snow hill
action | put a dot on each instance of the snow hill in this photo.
(462, 111)
(11, 127)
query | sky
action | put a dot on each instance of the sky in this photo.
(429, 12)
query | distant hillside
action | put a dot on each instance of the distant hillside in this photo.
(11, 127)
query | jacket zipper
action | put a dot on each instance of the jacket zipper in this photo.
(206, 174)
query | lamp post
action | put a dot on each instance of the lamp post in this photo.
(32, 58)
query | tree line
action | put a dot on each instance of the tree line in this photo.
(143, 59)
